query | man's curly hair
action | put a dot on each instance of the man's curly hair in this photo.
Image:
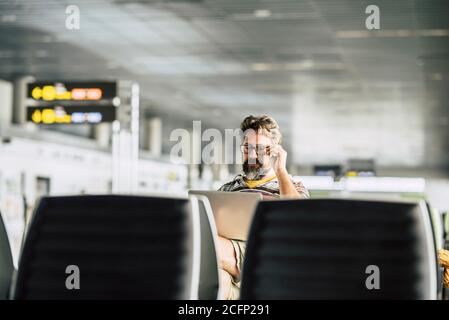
(265, 123)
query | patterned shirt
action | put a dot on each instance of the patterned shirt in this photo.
(269, 188)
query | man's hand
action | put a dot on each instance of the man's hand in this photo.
(278, 159)
(279, 163)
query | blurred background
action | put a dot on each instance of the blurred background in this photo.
(363, 112)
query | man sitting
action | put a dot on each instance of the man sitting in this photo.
(264, 168)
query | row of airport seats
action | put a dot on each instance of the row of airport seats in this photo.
(132, 247)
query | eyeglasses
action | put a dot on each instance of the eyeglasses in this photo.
(260, 149)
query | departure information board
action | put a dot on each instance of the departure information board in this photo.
(71, 91)
(71, 114)
(59, 102)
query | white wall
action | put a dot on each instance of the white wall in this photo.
(437, 191)
(329, 130)
(5, 104)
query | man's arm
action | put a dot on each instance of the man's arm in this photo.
(287, 188)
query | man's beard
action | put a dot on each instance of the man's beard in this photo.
(256, 171)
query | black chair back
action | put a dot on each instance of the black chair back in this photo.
(340, 249)
(124, 247)
(6, 263)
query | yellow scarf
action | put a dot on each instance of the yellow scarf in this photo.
(255, 183)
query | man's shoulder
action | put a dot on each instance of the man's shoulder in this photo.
(229, 186)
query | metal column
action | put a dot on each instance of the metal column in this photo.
(125, 139)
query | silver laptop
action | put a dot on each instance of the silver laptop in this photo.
(233, 211)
